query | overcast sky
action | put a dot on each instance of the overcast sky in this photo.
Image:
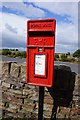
(15, 16)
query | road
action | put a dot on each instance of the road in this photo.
(74, 67)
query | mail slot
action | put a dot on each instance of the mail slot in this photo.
(40, 52)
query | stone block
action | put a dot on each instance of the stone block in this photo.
(23, 71)
(48, 101)
(13, 106)
(12, 110)
(15, 70)
(6, 84)
(20, 97)
(77, 82)
(13, 115)
(0, 68)
(21, 115)
(48, 107)
(19, 92)
(47, 114)
(25, 92)
(28, 102)
(27, 108)
(61, 116)
(5, 68)
(34, 116)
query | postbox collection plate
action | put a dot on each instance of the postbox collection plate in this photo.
(40, 64)
(40, 52)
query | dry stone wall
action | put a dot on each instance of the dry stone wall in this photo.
(20, 100)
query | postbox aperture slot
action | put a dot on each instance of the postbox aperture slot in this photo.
(40, 64)
(41, 33)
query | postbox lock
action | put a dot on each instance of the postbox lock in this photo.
(40, 49)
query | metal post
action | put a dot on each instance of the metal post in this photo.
(41, 101)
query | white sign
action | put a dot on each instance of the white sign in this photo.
(40, 64)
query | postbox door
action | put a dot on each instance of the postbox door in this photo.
(40, 52)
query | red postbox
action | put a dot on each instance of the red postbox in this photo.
(40, 52)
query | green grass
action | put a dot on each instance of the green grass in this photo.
(9, 53)
(0, 52)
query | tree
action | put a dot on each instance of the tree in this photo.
(63, 56)
(76, 53)
(68, 53)
(16, 49)
(13, 50)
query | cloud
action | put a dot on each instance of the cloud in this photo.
(27, 10)
(13, 41)
(70, 9)
(66, 34)
(11, 0)
(51, 0)
(14, 31)
(11, 29)
(14, 21)
(66, 37)
(40, 0)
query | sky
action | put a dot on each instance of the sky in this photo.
(14, 16)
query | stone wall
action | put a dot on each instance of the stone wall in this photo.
(20, 100)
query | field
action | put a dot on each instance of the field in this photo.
(13, 53)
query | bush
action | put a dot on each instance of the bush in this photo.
(55, 59)
(56, 56)
(6, 52)
(63, 56)
(23, 54)
(63, 59)
(17, 54)
(70, 59)
(13, 54)
(20, 54)
(67, 59)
